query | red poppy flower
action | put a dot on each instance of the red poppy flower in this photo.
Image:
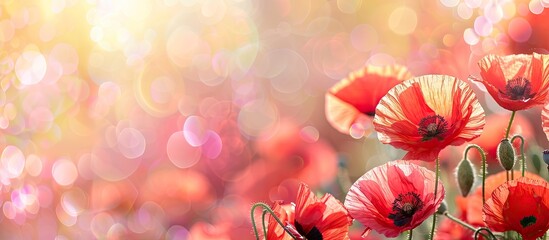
(516, 82)
(520, 205)
(351, 103)
(310, 218)
(473, 205)
(394, 197)
(425, 114)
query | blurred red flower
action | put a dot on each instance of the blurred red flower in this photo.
(450, 230)
(494, 132)
(351, 103)
(516, 82)
(425, 114)
(206, 231)
(286, 155)
(520, 205)
(394, 197)
(310, 218)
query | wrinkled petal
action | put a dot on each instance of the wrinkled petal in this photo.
(372, 197)
(408, 106)
(312, 215)
(497, 71)
(545, 119)
(520, 205)
(354, 99)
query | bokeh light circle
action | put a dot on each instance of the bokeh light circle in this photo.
(131, 143)
(64, 172)
(519, 29)
(403, 20)
(180, 152)
(30, 67)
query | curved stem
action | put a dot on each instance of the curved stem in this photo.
(523, 161)
(466, 225)
(435, 197)
(267, 209)
(263, 222)
(459, 221)
(477, 232)
(483, 156)
(509, 126)
(410, 234)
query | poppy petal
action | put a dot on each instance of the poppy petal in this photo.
(425, 114)
(394, 197)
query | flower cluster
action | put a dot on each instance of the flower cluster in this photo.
(423, 115)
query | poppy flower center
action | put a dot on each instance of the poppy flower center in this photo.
(313, 234)
(432, 127)
(404, 208)
(528, 221)
(518, 89)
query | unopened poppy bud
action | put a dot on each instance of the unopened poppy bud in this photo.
(465, 176)
(442, 208)
(546, 156)
(506, 154)
(536, 161)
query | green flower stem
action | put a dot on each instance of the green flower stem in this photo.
(477, 232)
(458, 221)
(483, 155)
(435, 197)
(266, 208)
(523, 161)
(470, 227)
(263, 222)
(410, 233)
(509, 126)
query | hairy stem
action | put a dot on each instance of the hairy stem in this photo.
(410, 233)
(270, 211)
(509, 126)
(522, 159)
(483, 156)
(435, 197)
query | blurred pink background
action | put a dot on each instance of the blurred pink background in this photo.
(168, 119)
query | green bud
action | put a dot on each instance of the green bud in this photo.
(442, 208)
(465, 176)
(506, 154)
(536, 161)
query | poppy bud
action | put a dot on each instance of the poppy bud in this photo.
(546, 156)
(506, 154)
(465, 176)
(536, 161)
(442, 208)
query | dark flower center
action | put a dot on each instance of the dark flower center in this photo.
(371, 114)
(313, 234)
(518, 89)
(432, 127)
(404, 208)
(528, 221)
